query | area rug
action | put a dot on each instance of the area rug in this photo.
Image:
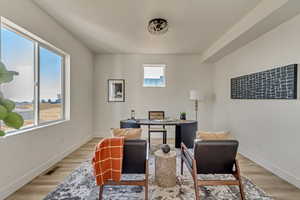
(80, 185)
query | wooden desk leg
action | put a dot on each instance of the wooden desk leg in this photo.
(164, 137)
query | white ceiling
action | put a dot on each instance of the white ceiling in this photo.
(120, 26)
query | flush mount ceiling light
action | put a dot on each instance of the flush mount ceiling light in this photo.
(158, 26)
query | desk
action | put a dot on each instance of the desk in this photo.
(185, 130)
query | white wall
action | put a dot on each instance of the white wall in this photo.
(268, 130)
(24, 156)
(183, 72)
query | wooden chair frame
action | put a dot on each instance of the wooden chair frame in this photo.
(150, 131)
(197, 182)
(130, 182)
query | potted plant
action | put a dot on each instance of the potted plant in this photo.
(183, 115)
(9, 118)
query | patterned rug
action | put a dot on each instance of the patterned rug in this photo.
(80, 185)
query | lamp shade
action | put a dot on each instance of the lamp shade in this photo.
(194, 95)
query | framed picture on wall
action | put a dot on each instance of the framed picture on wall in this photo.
(116, 90)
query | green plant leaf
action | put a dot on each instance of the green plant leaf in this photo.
(2, 133)
(3, 112)
(6, 76)
(8, 104)
(14, 120)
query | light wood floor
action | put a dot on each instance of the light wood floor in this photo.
(45, 183)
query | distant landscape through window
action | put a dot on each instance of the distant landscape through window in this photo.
(50, 86)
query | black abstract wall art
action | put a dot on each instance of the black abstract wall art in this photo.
(277, 83)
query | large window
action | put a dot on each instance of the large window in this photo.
(38, 90)
(154, 75)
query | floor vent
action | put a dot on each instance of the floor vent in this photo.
(51, 171)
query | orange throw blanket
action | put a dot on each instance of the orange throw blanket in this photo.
(107, 160)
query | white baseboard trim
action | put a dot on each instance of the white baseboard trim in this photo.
(20, 182)
(271, 167)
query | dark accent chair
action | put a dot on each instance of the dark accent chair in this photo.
(212, 157)
(157, 115)
(135, 161)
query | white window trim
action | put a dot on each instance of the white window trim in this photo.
(39, 42)
(33, 128)
(155, 65)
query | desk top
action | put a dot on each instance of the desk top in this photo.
(159, 122)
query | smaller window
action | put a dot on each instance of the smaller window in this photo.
(154, 75)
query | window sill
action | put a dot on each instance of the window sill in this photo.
(29, 129)
(150, 86)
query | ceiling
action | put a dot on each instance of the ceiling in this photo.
(120, 26)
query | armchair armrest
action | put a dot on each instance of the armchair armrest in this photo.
(187, 158)
(237, 166)
(185, 151)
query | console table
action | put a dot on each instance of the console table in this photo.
(185, 130)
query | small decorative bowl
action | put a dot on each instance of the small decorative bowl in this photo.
(165, 148)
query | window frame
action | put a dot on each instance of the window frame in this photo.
(163, 66)
(65, 77)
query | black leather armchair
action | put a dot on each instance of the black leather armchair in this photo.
(212, 157)
(135, 161)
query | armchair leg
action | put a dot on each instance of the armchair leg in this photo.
(101, 192)
(146, 191)
(197, 194)
(238, 176)
(146, 180)
(241, 189)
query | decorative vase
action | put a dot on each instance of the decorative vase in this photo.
(183, 116)
(132, 114)
(165, 148)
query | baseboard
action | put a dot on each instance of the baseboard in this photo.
(26, 178)
(271, 167)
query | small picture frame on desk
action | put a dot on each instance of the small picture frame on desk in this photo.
(116, 90)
